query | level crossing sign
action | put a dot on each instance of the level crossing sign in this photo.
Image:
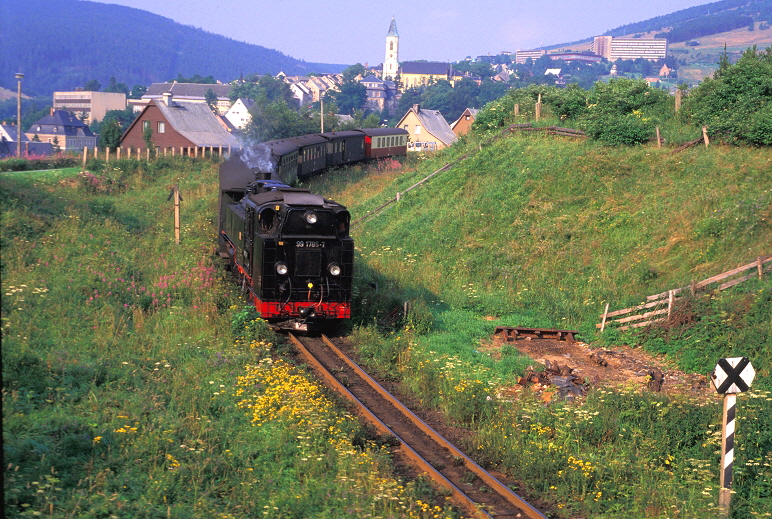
(730, 376)
(733, 375)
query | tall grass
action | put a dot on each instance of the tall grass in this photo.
(543, 232)
(135, 382)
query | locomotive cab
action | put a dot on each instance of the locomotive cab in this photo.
(293, 251)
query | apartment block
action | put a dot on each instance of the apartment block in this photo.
(89, 106)
(612, 49)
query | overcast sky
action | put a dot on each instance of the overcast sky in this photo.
(354, 31)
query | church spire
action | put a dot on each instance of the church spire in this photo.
(391, 60)
(393, 28)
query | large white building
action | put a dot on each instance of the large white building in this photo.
(613, 49)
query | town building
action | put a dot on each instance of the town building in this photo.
(428, 130)
(521, 56)
(64, 131)
(380, 94)
(415, 74)
(391, 61)
(89, 106)
(238, 114)
(9, 143)
(612, 49)
(192, 92)
(463, 124)
(176, 124)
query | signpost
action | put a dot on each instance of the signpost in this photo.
(730, 376)
(177, 199)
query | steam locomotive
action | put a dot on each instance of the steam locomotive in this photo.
(289, 248)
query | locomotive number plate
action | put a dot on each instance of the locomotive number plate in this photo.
(309, 244)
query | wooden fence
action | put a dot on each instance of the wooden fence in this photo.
(662, 304)
(147, 153)
(550, 130)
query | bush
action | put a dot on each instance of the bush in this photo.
(737, 102)
(618, 129)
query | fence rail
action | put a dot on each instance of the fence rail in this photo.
(149, 153)
(663, 302)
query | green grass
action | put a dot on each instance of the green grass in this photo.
(125, 378)
(543, 232)
(133, 376)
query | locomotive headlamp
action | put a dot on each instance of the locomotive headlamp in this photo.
(310, 217)
(334, 269)
(282, 269)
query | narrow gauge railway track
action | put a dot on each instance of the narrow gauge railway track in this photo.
(471, 487)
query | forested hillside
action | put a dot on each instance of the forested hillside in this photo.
(698, 21)
(61, 44)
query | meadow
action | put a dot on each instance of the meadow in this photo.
(543, 232)
(137, 384)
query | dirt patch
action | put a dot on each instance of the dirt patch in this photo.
(623, 366)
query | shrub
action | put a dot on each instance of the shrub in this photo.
(737, 102)
(618, 129)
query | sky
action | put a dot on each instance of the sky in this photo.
(354, 31)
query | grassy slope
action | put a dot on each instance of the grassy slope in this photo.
(543, 232)
(537, 231)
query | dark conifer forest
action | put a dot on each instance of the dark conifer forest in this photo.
(61, 44)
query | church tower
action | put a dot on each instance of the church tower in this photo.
(391, 61)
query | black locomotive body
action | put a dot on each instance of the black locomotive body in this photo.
(291, 248)
(292, 253)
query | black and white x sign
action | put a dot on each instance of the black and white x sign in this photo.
(733, 375)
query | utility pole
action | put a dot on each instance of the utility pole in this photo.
(19, 77)
(321, 112)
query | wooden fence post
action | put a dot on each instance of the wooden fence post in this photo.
(538, 108)
(678, 94)
(177, 198)
(517, 109)
(705, 137)
(147, 154)
(119, 153)
(659, 140)
(759, 267)
(107, 155)
(605, 315)
(85, 156)
(670, 299)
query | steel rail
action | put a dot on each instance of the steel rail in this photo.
(483, 474)
(458, 496)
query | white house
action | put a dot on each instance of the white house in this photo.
(238, 114)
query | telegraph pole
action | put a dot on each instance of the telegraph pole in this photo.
(19, 77)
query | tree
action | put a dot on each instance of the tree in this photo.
(147, 135)
(123, 117)
(211, 99)
(351, 73)
(267, 87)
(439, 96)
(137, 91)
(196, 78)
(92, 85)
(276, 120)
(114, 86)
(737, 102)
(110, 136)
(351, 96)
